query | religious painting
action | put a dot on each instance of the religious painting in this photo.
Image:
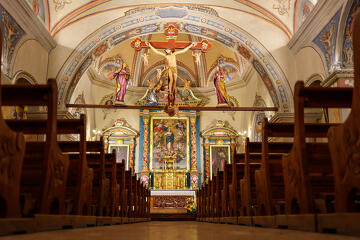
(169, 137)
(348, 55)
(122, 154)
(230, 70)
(219, 156)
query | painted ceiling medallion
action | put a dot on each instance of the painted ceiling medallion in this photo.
(282, 6)
(60, 4)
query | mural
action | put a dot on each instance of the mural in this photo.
(38, 6)
(265, 77)
(303, 9)
(326, 40)
(228, 66)
(12, 33)
(219, 155)
(169, 136)
(347, 54)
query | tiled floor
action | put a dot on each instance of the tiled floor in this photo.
(175, 230)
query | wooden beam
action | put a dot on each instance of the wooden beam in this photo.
(231, 109)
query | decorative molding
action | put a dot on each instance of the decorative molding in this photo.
(29, 22)
(314, 23)
(332, 78)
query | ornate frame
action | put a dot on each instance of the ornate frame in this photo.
(121, 134)
(187, 140)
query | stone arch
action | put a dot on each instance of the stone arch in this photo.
(192, 21)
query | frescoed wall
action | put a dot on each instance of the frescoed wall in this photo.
(347, 50)
(326, 41)
(302, 11)
(12, 34)
(39, 8)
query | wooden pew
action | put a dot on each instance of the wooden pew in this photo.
(308, 165)
(44, 168)
(218, 188)
(123, 195)
(13, 148)
(129, 196)
(344, 149)
(248, 188)
(231, 213)
(224, 209)
(77, 202)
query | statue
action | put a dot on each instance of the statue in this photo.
(170, 72)
(219, 84)
(122, 78)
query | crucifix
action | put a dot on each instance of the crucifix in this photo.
(170, 72)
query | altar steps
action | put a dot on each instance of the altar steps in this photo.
(172, 217)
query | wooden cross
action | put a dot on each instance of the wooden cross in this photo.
(171, 32)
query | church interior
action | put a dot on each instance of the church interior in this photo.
(180, 119)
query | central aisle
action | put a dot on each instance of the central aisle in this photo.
(175, 230)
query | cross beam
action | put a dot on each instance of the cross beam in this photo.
(171, 32)
(211, 109)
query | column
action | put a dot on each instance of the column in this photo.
(146, 144)
(207, 158)
(193, 144)
(131, 158)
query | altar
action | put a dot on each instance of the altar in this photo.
(170, 201)
(169, 177)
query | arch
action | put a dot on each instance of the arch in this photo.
(315, 79)
(341, 32)
(196, 23)
(20, 76)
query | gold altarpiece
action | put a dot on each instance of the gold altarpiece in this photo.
(170, 178)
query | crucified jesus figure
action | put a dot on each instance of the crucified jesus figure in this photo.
(170, 72)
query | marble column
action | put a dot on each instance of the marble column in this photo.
(146, 144)
(193, 144)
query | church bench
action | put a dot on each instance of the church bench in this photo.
(65, 126)
(270, 178)
(344, 147)
(219, 185)
(130, 196)
(123, 200)
(234, 187)
(225, 194)
(44, 194)
(247, 185)
(12, 144)
(212, 190)
(308, 166)
(102, 187)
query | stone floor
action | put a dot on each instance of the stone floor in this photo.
(175, 230)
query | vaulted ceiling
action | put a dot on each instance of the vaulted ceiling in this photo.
(247, 34)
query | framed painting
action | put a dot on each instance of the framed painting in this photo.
(169, 136)
(122, 154)
(219, 155)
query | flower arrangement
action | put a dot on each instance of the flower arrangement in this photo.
(190, 206)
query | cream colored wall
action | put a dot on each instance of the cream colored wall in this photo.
(32, 58)
(308, 63)
(84, 86)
